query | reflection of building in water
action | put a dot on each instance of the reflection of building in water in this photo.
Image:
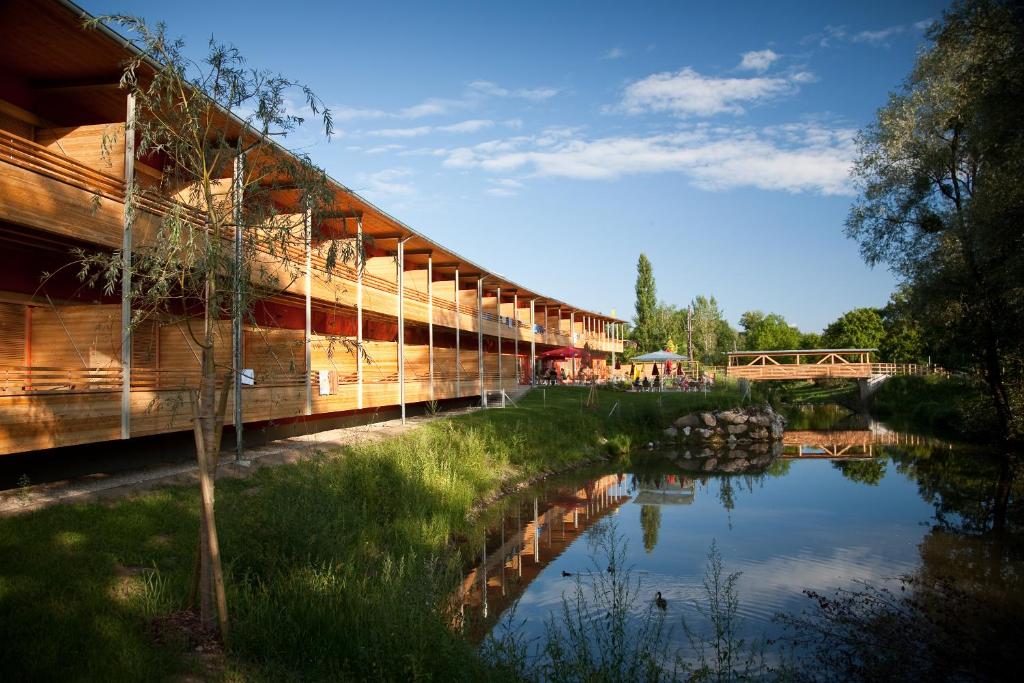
(665, 489)
(525, 542)
(852, 444)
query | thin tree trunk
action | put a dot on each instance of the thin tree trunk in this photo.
(212, 598)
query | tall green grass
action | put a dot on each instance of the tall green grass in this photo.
(337, 567)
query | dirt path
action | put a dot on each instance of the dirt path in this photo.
(281, 452)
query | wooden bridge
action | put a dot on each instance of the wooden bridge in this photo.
(852, 444)
(801, 364)
(795, 364)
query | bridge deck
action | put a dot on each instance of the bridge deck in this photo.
(796, 364)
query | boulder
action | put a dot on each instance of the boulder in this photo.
(708, 419)
(705, 433)
(671, 432)
(687, 430)
(687, 421)
(737, 428)
(710, 464)
(732, 417)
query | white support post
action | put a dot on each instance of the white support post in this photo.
(237, 340)
(430, 320)
(533, 343)
(126, 270)
(361, 264)
(572, 341)
(308, 221)
(401, 325)
(480, 337)
(458, 338)
(497, 306)
(515, 329)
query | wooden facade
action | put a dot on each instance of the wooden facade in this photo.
(449, 327)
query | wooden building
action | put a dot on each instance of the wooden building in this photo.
(70, 372)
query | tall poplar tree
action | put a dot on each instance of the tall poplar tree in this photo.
(645, 328)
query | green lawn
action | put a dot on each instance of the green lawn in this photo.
(338, 567)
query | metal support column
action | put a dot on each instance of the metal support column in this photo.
(237, 340)
(480, 337)
(126, 270)
(533, 343)
(572, 341)
(497, 305)
(360, 265)
(515, 331)
(458, 338)
(308, 222)
(430, 320)
(401, 325)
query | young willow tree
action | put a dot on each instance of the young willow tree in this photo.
(941, 179)
(228, 222)
(646, 329)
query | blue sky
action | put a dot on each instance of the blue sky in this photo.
(552, 142)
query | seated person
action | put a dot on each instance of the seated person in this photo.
(657, 382)
(636, 383)
(646, 383)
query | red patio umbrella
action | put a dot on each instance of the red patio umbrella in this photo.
(562, 352)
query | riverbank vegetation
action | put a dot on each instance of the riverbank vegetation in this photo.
(951, 407)
(338, 567)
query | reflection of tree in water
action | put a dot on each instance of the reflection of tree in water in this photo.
(868, 472)
(972, 492)
(957, 617)
(650, 520)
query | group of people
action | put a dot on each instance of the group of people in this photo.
(552, 376)
(702, 383)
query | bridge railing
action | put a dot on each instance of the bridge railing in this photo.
(893, 369)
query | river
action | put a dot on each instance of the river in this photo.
(848, 502)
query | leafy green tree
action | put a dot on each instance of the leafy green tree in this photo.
(810, 340)
(646, 327)
(650, 522)
(860, 328)
(767, 332)
(870, 472)
(940, 175)
(707, 325)
(903, 341)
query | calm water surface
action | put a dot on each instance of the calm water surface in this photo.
(846, 501)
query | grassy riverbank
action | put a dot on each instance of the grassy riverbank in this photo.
(338, 567)
(951, 407)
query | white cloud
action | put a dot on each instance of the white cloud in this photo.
(343, 113)
(793, 158)
(924, 24)
(614, 53)
(470, 126)
(504, 187)
(758, 60)
(492, 89)
(381, 149)
(877, 37)
(400, 132)
(840, 34)
(688, 93)
(385, 183)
